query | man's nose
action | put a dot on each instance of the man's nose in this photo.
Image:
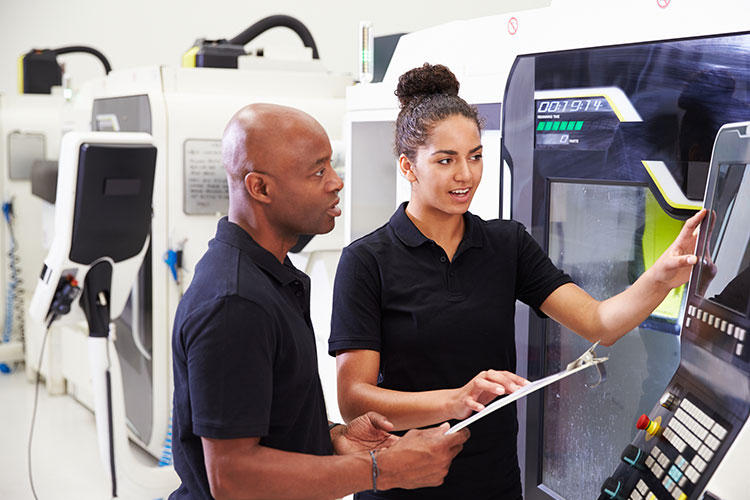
(336, 184)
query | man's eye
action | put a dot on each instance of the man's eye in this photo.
(320, 172)
(445, 161)
(477, 156)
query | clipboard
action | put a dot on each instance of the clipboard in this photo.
(585, 360)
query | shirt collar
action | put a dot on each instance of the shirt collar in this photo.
(408, 233)
(232, 234)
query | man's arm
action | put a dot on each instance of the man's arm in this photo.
(245, 469)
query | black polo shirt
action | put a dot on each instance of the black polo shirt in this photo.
(437, 323)
(244, 358)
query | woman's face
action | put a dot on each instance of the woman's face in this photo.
(448, 167)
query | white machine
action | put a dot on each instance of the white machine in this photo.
(647, 84)
(185, 110)
(31, 124)
(102, 220)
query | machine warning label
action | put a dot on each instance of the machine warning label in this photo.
(205, 188)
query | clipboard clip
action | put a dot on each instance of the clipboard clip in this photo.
(589, 358)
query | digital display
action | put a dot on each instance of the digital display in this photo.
(724, 276)
(576, 105)
(585, 123)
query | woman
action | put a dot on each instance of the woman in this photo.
(422, 324)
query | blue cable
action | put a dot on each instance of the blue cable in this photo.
(170, 257)
(13, 284)
(166, 455)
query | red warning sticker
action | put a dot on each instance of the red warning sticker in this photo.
(513, 24)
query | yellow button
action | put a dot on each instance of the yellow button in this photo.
(683, 497)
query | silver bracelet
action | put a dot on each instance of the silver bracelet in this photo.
(375, 471)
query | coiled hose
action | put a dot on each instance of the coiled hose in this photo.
(14, 314)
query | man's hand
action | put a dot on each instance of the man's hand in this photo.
(673, 268)
(367, 432)
(482, 389)
(421, 458)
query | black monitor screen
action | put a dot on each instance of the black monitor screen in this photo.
(724, 276)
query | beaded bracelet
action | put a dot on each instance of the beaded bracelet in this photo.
(375, 471)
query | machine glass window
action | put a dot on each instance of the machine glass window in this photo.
(599, 234)
(725, 265)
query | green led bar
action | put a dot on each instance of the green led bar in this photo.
(555, 125)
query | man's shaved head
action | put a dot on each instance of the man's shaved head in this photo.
(258, 134)
(281, 182)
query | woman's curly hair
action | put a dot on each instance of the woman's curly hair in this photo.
(427, 95)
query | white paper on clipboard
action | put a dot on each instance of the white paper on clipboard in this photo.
(523, 392)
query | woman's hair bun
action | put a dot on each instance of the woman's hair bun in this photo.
(426, 80)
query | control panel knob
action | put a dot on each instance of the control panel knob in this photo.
(668, 401)
(650, 426)
(634, 457)
(612, 489)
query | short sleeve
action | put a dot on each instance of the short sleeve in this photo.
(537, 277)
(355, 320)
(230, 348)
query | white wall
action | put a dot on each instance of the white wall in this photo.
(145, 32)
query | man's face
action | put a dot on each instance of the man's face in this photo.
(305, 186)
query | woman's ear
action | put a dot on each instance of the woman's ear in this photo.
(407, 168)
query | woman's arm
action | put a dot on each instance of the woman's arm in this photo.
(610, 319)
(357, 375)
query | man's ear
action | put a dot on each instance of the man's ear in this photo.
(257, 187)
(407, 168)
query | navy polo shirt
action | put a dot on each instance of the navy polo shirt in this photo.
(244, 358)
(437, 323)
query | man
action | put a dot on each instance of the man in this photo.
(249, 414)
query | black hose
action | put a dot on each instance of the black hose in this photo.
(88, 50)
(279, 20)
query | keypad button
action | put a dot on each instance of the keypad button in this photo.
(668, 483)
(692, 474)
(712, 442)
(642, 486)
(705, 453)
(719, 431)
(698, 463)
(658, 471)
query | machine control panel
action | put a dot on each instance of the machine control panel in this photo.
(687, 434)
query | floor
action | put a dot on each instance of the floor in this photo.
(65, 458)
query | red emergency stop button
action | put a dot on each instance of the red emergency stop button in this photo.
(648, 425)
